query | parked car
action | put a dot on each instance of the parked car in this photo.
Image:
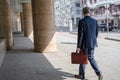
(103, 27)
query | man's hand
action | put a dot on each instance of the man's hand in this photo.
(78, 50)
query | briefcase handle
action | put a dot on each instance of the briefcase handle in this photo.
(80, 52)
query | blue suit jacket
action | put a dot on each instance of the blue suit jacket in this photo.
(87, 33)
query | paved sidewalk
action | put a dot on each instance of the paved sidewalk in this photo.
(22, 63)
(112, 35)
(115, 36)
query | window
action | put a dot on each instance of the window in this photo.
(95, 1)
(119, 7)
(77, 11)
(90, 1)
(77, 4)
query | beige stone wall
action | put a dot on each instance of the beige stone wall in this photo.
(2, 41)
(44, 25)
(1, 25)
(6, 23)
(2, 51)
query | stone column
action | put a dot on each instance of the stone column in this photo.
(22, 21)
(27, 17)
(44, 25)
(6, 23)
(1, 26)
(1, 20)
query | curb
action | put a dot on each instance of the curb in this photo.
(113, 39)
(73, 33)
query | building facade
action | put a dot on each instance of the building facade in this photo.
(67, 10)
(76, 10)
(107, 11)
(62, 12)
(101, 10)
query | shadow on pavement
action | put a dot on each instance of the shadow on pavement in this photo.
(68, 43)
(22, 63)
(65, 74)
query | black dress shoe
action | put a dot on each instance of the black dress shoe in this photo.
(79, 77)
(100, 77)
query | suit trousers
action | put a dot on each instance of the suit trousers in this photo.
(92, 62)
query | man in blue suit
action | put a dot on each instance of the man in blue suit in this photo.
(87, 41)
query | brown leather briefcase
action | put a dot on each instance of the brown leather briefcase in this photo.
(79, 58)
